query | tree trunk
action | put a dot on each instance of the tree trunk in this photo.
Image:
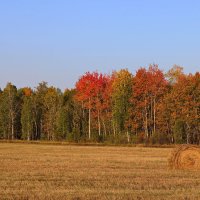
(89, 120)
(114, 129)
(4, 134)
(41, 134)
(12, 131)
(104, 126)
(146, 120)
(28, 138)
(99, 123)
(36, 130)
(188, 133)
(154, 117)
(128, 137)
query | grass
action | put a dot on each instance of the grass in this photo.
(37, 171)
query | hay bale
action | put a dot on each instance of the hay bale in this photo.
(185, 157)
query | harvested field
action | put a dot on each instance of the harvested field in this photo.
(35, 171)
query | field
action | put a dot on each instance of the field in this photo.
(38, 171)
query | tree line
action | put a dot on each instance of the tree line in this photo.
(149, 106)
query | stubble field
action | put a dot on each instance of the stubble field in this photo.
(36, 171)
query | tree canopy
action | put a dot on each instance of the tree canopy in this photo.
(149, 106)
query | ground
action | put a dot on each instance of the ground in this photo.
(38, 171)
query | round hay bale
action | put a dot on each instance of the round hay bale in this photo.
(185, 157)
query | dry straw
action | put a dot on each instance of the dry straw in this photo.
(185, 157)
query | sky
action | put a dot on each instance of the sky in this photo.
(59, 40)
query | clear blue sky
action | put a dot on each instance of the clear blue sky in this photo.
(58, 40)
